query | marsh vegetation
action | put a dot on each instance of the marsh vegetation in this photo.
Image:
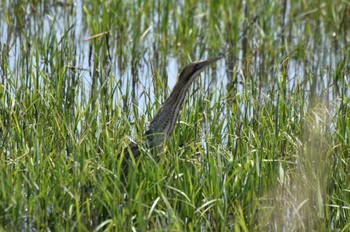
(262, 142)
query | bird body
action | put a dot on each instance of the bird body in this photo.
(164, 122)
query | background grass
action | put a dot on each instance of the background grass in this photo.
(262, 142)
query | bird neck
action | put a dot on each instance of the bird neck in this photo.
(177, 95)
(166, 117)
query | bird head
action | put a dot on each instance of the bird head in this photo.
(192, 70)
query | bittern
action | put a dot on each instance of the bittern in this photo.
(164, 122)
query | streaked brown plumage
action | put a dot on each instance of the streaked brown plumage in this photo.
(163, 123)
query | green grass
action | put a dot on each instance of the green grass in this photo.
(262, 142)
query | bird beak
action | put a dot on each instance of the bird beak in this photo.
(201, 64)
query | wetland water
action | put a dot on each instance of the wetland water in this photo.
(31, 33)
